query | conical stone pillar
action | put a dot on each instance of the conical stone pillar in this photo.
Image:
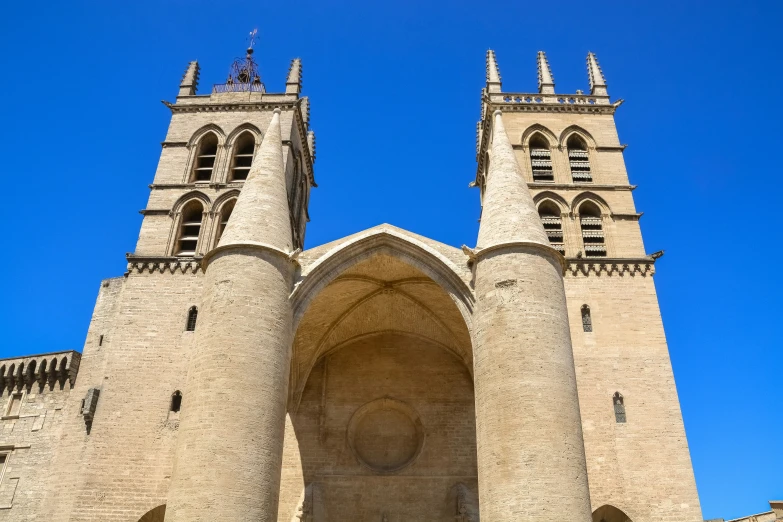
(531, 457)
(229, 450)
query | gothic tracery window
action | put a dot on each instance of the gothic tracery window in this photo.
(619, 407)
(541, 159)
(205, 158)
(590, 223)
(579, 160)
(587, 320)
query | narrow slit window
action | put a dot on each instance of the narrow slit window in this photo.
(205, 158)
(190, 229)
(587, 320)
(192, 318)
(579, 160)
(619, 407)
(541, 159)
(591, 225)
(176, 402)
(243, 157)
(553, 225)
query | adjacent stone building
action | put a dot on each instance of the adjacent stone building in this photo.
(230, 375)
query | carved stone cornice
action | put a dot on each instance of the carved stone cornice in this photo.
(578, 186)
(163, 264)
(155, 212)
(268, 105)
(167, 144)
(583, 267)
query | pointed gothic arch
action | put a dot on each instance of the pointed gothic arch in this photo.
(541, 130)
(395, 242)
(595, 199)
(580, 131)
(609, 513)
(555, 198)
(186, 198)
(200, 133)
(244, 127)
(154, 515)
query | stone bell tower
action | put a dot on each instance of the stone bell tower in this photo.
(229, 450)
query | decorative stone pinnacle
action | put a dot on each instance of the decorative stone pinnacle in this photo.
(546, 82)
(596, 76)
(494, 83)
(189, 83)
(293, 85)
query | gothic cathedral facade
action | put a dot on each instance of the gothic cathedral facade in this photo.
(230, 375)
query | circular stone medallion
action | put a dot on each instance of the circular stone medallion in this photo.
(385, 435)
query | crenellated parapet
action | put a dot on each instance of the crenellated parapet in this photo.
(39, 370)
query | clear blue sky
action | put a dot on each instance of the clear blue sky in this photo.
(395, 98)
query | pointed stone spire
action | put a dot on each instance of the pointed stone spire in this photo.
(293, 85)
(261, 212)
(189, 83)
(508, 214)
(546, 82)
(493, 73)
(596, 76)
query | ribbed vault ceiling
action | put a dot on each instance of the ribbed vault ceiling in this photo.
(381, 294)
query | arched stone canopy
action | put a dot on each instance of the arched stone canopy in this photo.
(609, 513)
(380, 281)
(155, 515)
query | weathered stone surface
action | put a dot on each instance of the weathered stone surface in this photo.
(380, 377)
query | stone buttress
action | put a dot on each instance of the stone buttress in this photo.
(531, 456)
(230, 445)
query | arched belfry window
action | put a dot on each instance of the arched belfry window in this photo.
(205, 158)
(176, 401)
(541, 159)
(190, 229)
(619, 407)
(587, 320)
(225, 213)
(592, 230)
(579, 160)
(553, 225)
(190, 326)
(243, 156)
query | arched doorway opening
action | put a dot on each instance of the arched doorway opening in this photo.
(609, 513)
(154, 515)
(382, 403)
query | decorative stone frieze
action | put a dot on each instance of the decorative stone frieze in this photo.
(578, 267)
(40, 370)
(170, 264)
